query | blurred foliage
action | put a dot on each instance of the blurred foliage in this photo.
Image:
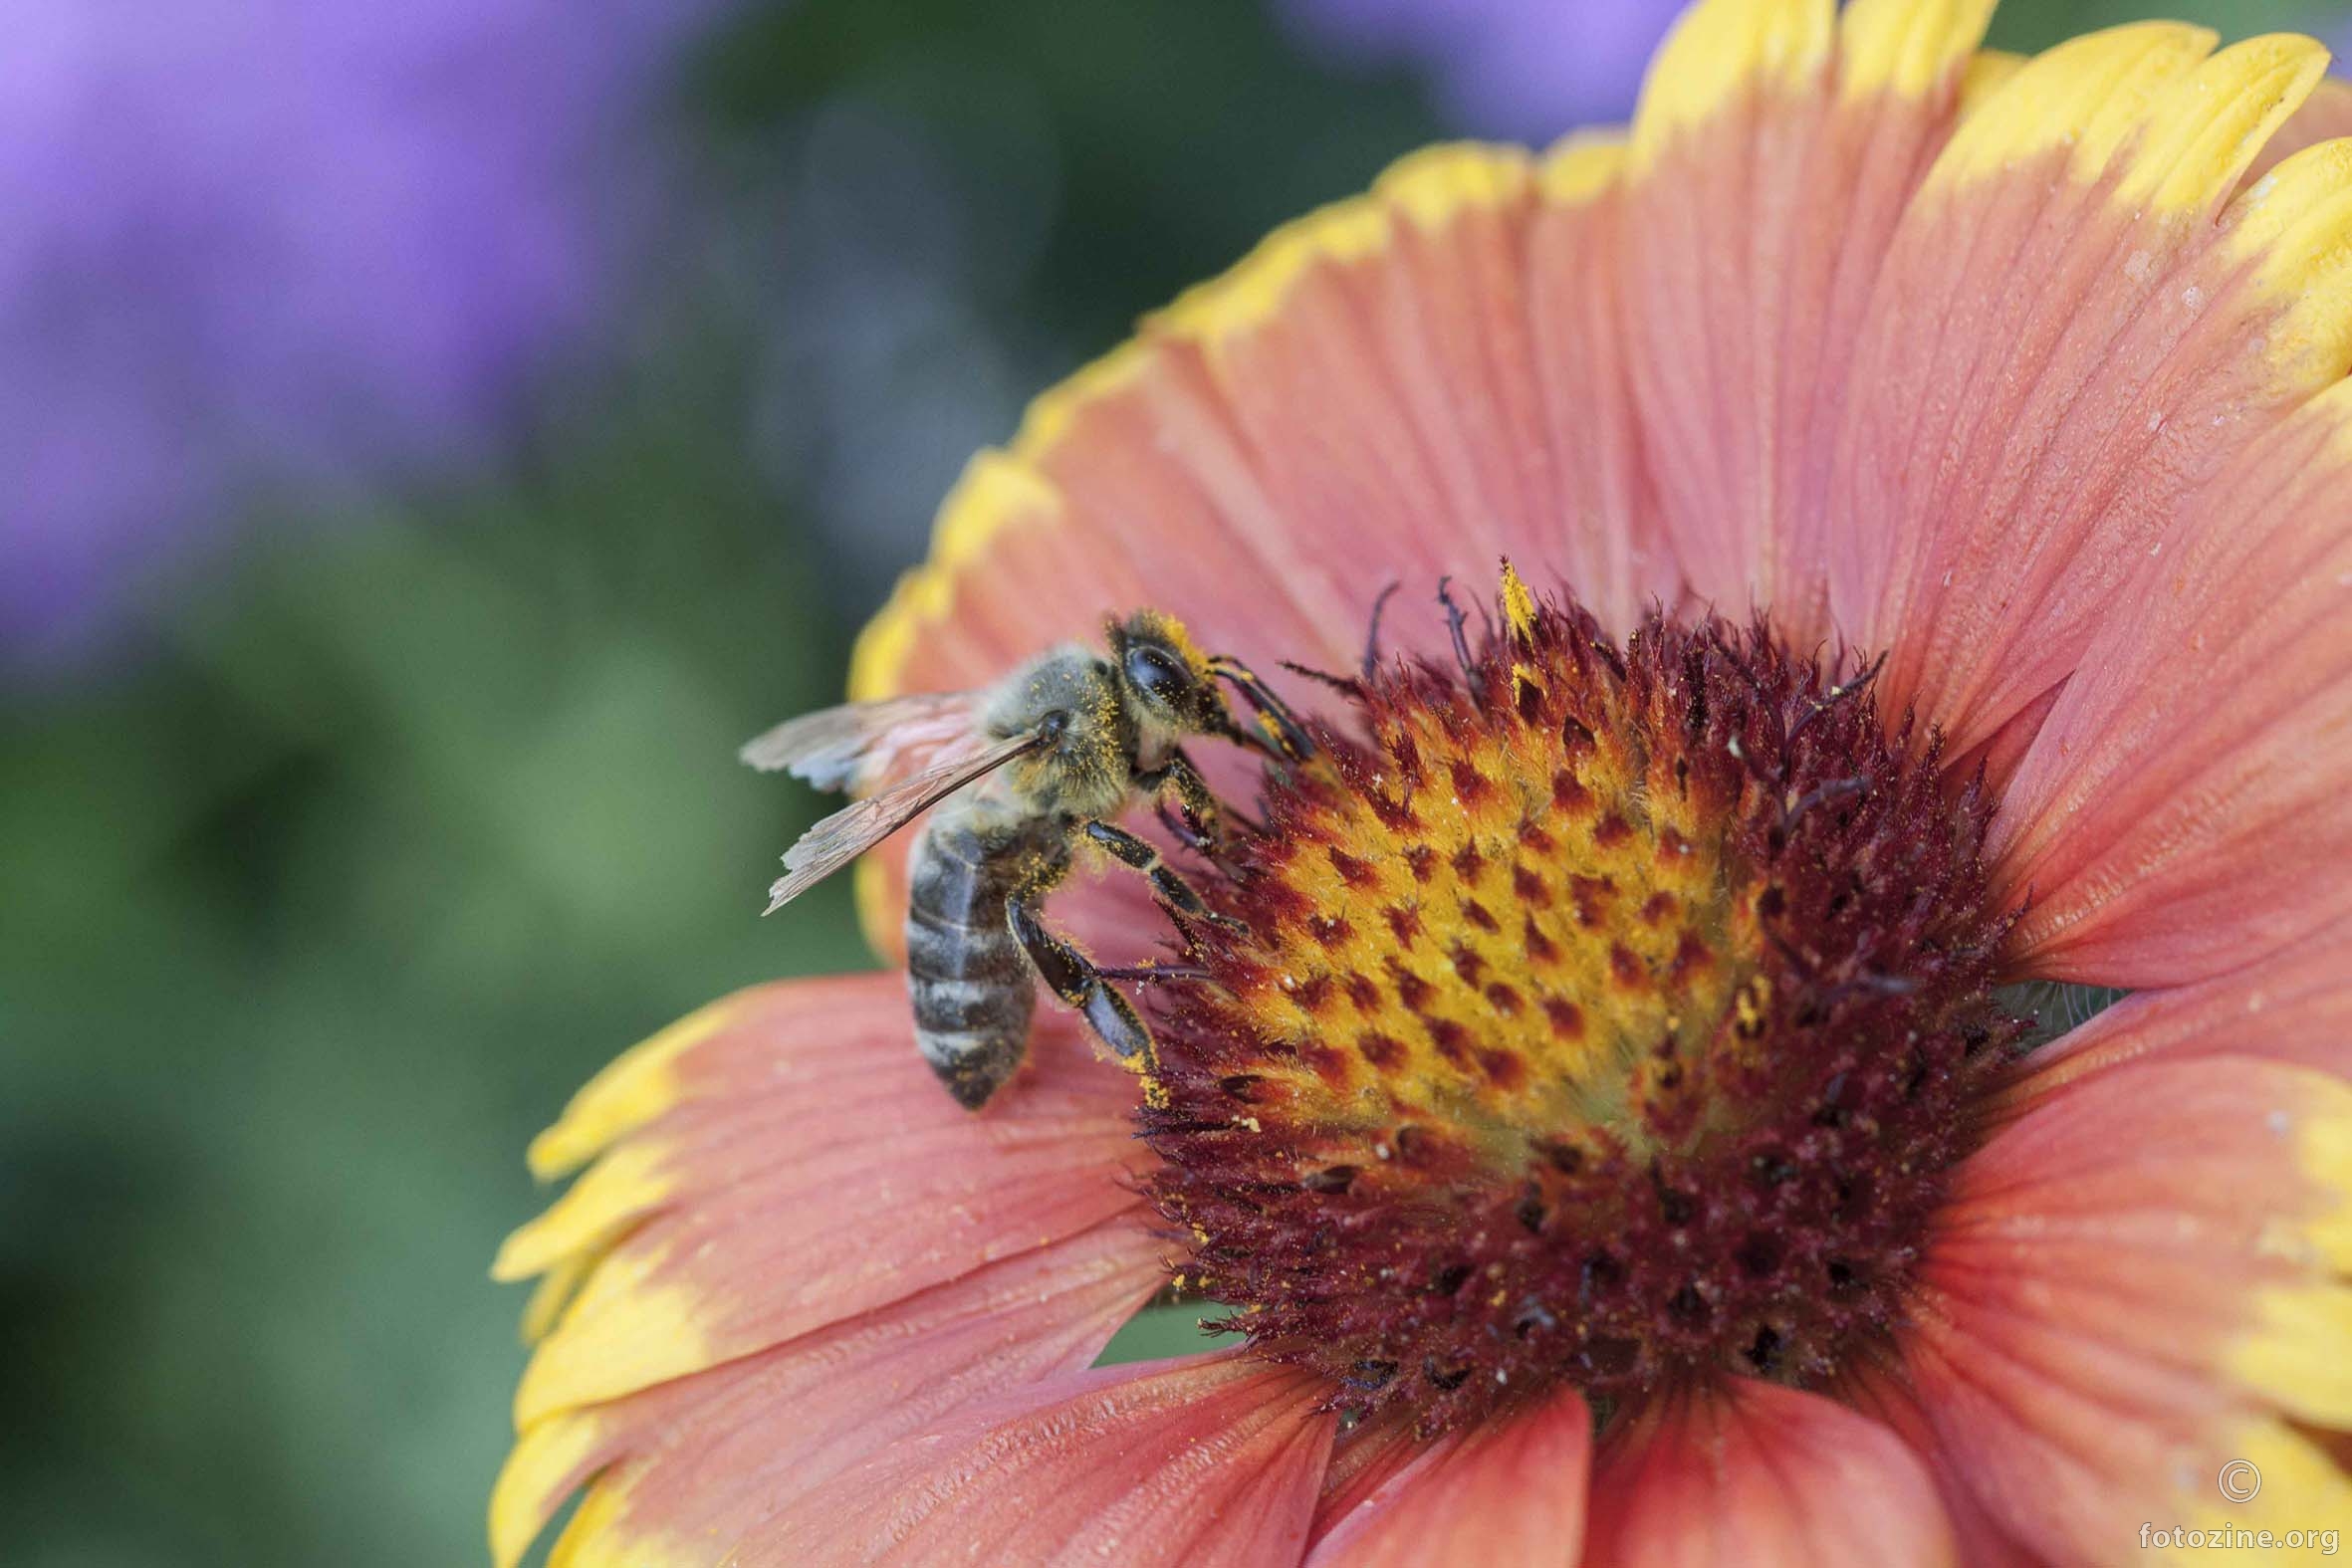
(420, 813)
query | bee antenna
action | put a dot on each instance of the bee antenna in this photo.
(1345, 685)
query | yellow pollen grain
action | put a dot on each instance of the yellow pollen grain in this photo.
(1519, 605)
(1753, 998)
(1519, 616)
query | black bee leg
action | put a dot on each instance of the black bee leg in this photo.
(1182, 828)
(1199, 820)
(1072, 977)
(1138, 854)
(1372, 664)
(1191, 812)
(1456, 622)
(1215, 815)
(1148, 974)
(1278, 733)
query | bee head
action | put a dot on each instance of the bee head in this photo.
(1170, 680)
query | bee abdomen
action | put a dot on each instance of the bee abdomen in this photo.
(972, 987)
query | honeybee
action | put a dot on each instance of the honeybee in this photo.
(1023, 772)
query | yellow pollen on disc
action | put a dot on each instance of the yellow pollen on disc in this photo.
(1536, 934)
(1586, 1011)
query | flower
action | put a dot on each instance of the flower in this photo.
(272, 244)
(1608, 1124)
(1501, 68)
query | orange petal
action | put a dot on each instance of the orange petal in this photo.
(683, 1469)
(1360, 401)
(784, 1160)
(1364, 1459)
(1766, 1476)
(1512, 1491)
(1206, 1463)
(2076, 326)
(1409, 383)
(2183, 809)
(1775, 148)
(2137, 1281)
(1606, 542)
(2294, 1006)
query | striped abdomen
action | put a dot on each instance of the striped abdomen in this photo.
(972, 987)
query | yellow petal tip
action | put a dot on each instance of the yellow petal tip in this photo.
(2089, 97)
(625, 1185)
(1584, 165)
(998, 491)
(531, 1485)
(2202, 134)
(1721, 48)
(1255, 289)
(1906, 48)
(624, 1332)
(637, 1086)
(1436, 184)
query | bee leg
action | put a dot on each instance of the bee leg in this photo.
(1199, 821)
(1372, 664)
(1456, 622)
(1072, 977)
(1140, 855)
(1278, 733)
(1184, 829)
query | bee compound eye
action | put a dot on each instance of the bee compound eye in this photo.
(1151, 671)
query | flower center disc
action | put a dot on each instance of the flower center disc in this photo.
(1598, 1015)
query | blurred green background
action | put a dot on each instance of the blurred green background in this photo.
(355, 849)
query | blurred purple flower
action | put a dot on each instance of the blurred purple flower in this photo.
(1527, 70)
(287, 245)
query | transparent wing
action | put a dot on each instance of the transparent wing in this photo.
(858, 827)
(858, 744)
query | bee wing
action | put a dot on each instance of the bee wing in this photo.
(859, 743)
(858, 827)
